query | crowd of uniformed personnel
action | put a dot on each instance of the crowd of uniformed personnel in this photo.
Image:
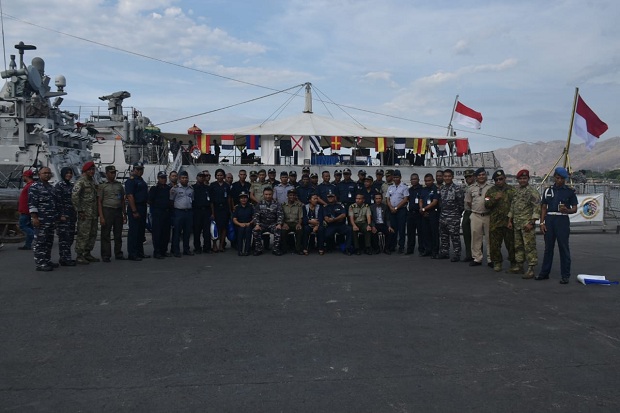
(367, 216)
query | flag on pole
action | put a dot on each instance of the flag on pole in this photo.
(298, 143)
(315, 143)
(228, 142)
(358, 140)
(336, 143)
(419, 146)
(204, 143)
(380, 144)
(467, 117)
(462, 146)
(399, 145)
(252, 141)
(587, 125)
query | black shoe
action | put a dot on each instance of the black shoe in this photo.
(368, 251)
(105, 259)
(158, 256)
(564, 280)
(120, 258)
(177, 255)
(69, 263)
(197, 251)
(409, 252)
(206, 250)
(358, 252)
(130, 258)
(45, 268)
(348, 253)
(276, 252)
(143, 256)
(474, 264)
(387, 251)
(188, 253)
(541, 277)
(490, 264)
(468, 259)
(442, 257)
(426, 254)
(257, 253)
(25, 248)
(455, 259)
(168, 254)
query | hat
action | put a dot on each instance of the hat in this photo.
(87, 166)
(379, 172)
(346, 171)
(291, 191)
(497, 174)
(29, 173)
(138, 165)
(561, 171)
(253, 173)
(272, 171)
(368, 178)
(162, 174)
(468, 173)
(361, 172)
(292, 173)
(305, 169)
(479, 171)
(523, 172)
(314, 175)
(200, 175)
(243, 193)
(389, 172)
(110, 168)
(283, 173)
(330, 193)
(337, 172)
(183, 173)
(396, 173)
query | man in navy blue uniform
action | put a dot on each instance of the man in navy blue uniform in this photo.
(136, 191)
(429, 204)
(558, 201)
(240, 186)
(243, 218)
(201, 211)
(413, 217)
(335, 216)
(43, 208)
(346, 189)
(305, 190)
(159, 201)
(324, 188)
(368, 191)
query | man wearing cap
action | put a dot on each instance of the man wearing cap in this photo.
(397, 199)
(368, 191)
(268, 217)
(84, 198)
(240, 186)
(346, 189)
(305, 170)
(25, 223)
(243, 218)
(280, 191)
(524, 212)
(466, 223)
(337, 177)
(498, 201)
(413, 216)
(43, 208)
(305, 190)
(159, 202)
(389, 180)
(257, 188)
(65, 227)
(314, 181)
(334, 216)
(379, 184)
(136, 191)
(253, 178)
(428, 204)
(475, 197)
(360, 220)
(182, 197)
(293, 219)
(361, 176)
(271, 178)
(201, 215)
(452, 204)
(292, 179)
(324, 188)
(112, 214)
(558, 201)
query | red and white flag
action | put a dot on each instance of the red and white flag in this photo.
(467, 117)
(587, 125)
(298, 143)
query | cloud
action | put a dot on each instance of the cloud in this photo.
(383, 77)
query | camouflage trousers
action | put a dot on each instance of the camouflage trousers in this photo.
(450, 231)
(525, 246)
(258, 237)
(42, 245)
(66, 234)
(496, 237)
(86, 235)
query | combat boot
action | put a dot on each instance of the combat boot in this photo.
(82, 260)
(516, 269)
(90, 258)
(530, 273)
(497, 267)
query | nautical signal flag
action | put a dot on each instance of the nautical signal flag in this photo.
(380, 145)
(462, 147)
(586, 124)
(228, 142)
(467, 117)
(298, 143)
(336, 143)
(419, 146)
(315, 144)
(399, 145)
(203, 142)
(252, 141)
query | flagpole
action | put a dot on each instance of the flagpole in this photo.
(456, 99)
(570, 129)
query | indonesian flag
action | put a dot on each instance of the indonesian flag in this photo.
(228, 142)
(380, 144)
(252, 141)
(467, 117)
(462, 147)
(587, 125)
(336, 143)
(203, 142)
(419, 146)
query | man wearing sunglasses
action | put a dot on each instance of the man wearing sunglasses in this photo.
(498, 201)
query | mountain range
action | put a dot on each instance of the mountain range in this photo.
(540, 157)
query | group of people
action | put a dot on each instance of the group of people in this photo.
(370, 215)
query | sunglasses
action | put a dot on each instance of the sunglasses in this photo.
(499, 179)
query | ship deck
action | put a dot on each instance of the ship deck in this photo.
(333, 333)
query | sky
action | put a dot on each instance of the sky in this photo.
(388, 63)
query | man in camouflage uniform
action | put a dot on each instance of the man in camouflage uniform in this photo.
(112, 214)
(42, 205)
(84, 200)
(360, 219)
(268, 215)
(498, 200)
(524, 212)
(65, 228)
(452, 200)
